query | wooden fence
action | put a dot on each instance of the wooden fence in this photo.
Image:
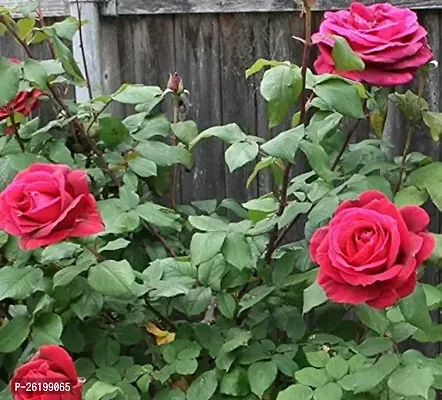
(210, 43)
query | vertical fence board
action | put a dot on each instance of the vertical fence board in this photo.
(238, 104)
(197, 42)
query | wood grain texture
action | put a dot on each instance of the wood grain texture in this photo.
(50, 8)
(197, 44)
(237, 54)
(239, 6)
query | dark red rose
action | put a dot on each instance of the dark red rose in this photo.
(51, 364)
(388, 39)
(370, 251)
(175, 84)
(48, 203)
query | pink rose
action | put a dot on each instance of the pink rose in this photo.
(388, 39)
(370, 251)
(48, 203)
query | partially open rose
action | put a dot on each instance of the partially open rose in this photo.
(23, 103)
(48, 203)
(370, 251)
(388, 39)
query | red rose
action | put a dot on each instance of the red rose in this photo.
(48, 203)
(24, 103)
(388, 39)
(370, 251)
(175, 83)
(51, 364)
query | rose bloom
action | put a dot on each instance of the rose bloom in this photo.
(51, 364)
(370, 251)
(48, 203)
(24, 103)
(388, 39)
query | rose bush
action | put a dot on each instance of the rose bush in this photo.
(46, 204)
(51, 364)
(388, 39)
(370, 251)
(306, 292)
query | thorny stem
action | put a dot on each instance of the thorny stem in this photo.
(304, 97)
(174, 182)
(404, 158)
(162, 240)
(16, 135)
(83, 54)
(345, 144)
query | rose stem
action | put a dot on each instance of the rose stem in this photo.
(83, 54)
(16, 135)
(175, 167)
(101, 258)
(411, 127)
(286, 180)
(348, 137)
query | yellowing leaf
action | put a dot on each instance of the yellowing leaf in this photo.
(162, 337)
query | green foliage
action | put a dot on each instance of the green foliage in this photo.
(190, 301)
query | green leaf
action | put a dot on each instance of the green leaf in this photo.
(235, 383)
(410, 104)
(67, 28)
(312, 377)
(434, 122)
(296, 392)
(151, 127)
(106, 352)
(264, 163)
(262, 63)
(314, 296)
(281, 86)
(59, 251)
(142, 167)
(112, 278)
(321, 125)
(195, 301)
(226, 304)
(261, 376)
(410, 195)
(342, 96)
(205, 246)
(323, 210)
(344, 57)
(291, 212)
(101, 390)
(159, 216)
(203, 387)
(21, 161)
(236, 250)
(239, 154)
(318, 159)
(19, 283)
(136, 94)
(415, 311)
(88, 305)
(25, 26)
(64, 55)
(59, 153)
(254, 296)
(208, 224)
(318, 359)
(211, 272)
(128, 335)
(34, 72)
(411, 380)
(375, 345)
(230, 133)
(285, 364)
(112, 131)
(337, 367)
(369, 378)
(185, 131)
(374, 319)
(67, 274)
(10, 75)
(285, 144)
(118, 244)
(47, 330)
(14, 333)
(164, 155)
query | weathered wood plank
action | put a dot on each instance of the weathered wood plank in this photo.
(238, 102)
(197, 44)
(50, 8)
(238, 6)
